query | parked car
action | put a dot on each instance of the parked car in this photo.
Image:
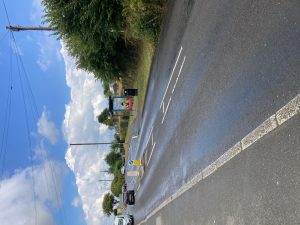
(127, 198)
(122, 170)
(124, 220)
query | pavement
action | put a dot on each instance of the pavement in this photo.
(222, 68)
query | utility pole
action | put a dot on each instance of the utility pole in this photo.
(98, 143)
(22, 28)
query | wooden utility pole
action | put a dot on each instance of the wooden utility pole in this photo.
(99, 143)
(21, 28)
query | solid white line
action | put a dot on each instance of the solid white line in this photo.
(151, 153)
(178, 74)
(166, 110)
(291, 109)
(171, 77)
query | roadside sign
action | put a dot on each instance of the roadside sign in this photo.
(121, 103)
(136, 162)
(133, 173)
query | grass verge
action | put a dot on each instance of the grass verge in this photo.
(140, 81)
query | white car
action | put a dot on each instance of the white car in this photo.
(122, 170)
(123, 220)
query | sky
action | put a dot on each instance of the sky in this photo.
(46, 104)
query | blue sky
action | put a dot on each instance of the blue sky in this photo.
(67, 102)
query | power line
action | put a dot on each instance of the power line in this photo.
(26, 89)
(28, 135)
(6, 13)
(7, 117)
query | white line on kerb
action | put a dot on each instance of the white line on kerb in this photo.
(288, 111)
(151, 153)
(166, 110)
(178, 74)
(171, 77)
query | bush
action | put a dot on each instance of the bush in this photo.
(116, 185)
(107, 204)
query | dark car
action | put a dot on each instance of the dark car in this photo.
(128, 197)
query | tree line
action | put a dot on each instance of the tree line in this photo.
(103, 35)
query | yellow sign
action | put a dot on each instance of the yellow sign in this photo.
(137, 162)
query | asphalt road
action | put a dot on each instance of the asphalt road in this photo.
(260, 186)
(221, 69)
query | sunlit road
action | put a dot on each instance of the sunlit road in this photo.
(222, 68)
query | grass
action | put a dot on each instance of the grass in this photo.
(143, 22)
(139, 81)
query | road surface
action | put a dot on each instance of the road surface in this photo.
(222, 68)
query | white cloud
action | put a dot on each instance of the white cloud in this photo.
(16, 49)
(47, 128)
(81, 125)
(76, 202)
(17, 196)
(36, 13)
(40, 152)
(47, 43)
(47, 51)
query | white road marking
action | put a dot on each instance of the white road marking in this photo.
(138, 187)
(134, 137)
(291, 109)
(288, 111)
(152, 139)
(178, 74)
(151, 153)
(148, 139)
(171, 77)
(166, 110)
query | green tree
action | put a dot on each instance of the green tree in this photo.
(116, 185)
(107, 92)
(91, 30)
(112, 157)
(108, 204)
(106, 119)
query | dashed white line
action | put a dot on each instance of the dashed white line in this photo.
(178, 74)
(166, 110)
(148, 139)
(136, 136)
(152, 139)
(138, 187)
(171, 77)
(151, 153)
(291, 109)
